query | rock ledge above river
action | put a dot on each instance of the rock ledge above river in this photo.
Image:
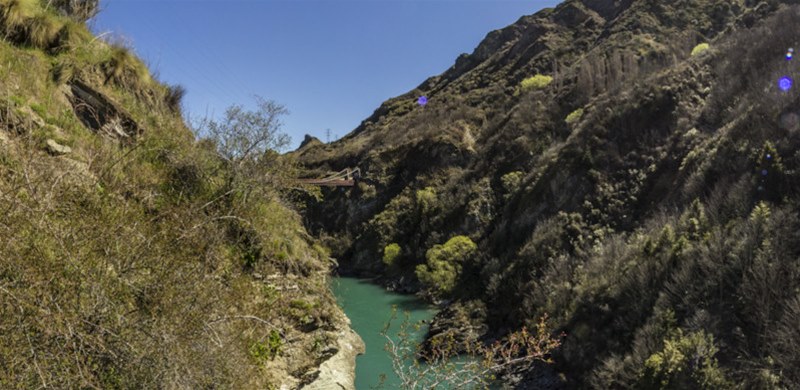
(338, 372)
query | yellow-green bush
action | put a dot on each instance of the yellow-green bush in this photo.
(574, 116)
(390, 253)
(443, 264)
(538, 81)
(426, 198)
(700, 48)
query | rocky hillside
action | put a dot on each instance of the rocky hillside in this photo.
(627, 167)
(132, 255)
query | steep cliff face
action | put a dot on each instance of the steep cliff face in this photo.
(478, 121)
(641, 191)
(127, 257)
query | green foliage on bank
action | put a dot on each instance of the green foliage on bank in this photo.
(390, 253)
(444, 263)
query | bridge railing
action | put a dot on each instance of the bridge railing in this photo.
(344, 178)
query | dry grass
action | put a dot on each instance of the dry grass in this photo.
(43, 31)
(134, 266)
(16, 13)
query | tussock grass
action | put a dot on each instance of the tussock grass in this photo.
(173, 96)
(16, 13)
(124, 69)
(43, 31)
(25, 22)
(72, 36)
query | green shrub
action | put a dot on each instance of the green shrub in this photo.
(303, 311)
(444, 262)
(760, 213)
(426, 199)
(574, 116)
(538, 81)
(390, 253)
(700, 48)
(268, 349)
(511, 181)
(686, 361)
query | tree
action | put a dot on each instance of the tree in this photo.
(390, 253)
(249, 143)
(244, 134)
(444, 263)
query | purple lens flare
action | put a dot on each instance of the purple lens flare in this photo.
(785, 83)
(423, 100)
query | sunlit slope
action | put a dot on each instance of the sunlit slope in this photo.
(629, 168)
(128, 258)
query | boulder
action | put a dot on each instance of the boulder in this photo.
(30, 116)
(56, 148)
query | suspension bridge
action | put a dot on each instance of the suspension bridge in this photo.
(345, 178)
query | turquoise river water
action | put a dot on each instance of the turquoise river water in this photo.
(369, 308)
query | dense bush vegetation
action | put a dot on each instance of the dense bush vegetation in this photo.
(657, 228)
(687, 361)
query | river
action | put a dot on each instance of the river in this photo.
(369, 308)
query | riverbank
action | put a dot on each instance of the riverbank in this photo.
(339, 371)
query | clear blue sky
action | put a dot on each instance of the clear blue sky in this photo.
(330, 62)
